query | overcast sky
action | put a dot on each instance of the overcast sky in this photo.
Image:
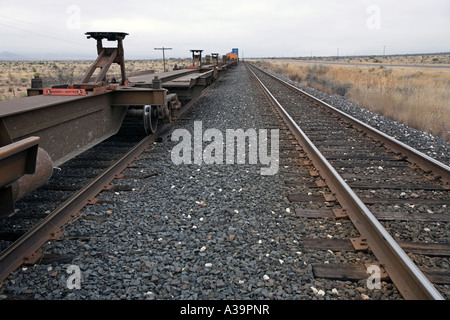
(258, 28)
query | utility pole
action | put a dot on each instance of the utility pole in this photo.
(164, 57)
(384, 51)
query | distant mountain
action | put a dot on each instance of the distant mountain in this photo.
(6, 55)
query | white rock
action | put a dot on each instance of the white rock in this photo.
(365, 296)
(208, 265)
(334, 291)
(288, 210)
(321, 293)
(281, 261)
(241, 281)
(202, 249)
(426, 229)
(266, 277)
(236, 211)
(329, 236)
(314, 290)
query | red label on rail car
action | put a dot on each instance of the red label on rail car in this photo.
(64, 92)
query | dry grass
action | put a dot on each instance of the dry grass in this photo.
(417, 59)
(417, 97)
(15, 76)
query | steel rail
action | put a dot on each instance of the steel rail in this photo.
(15, 255)
(423, 161)
(29, 243)
(409, 280)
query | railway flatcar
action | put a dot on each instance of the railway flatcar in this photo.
(53, 125)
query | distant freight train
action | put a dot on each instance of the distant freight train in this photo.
(234, 54)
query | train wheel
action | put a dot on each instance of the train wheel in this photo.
(150, 119)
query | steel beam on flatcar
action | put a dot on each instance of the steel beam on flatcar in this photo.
(69, 125)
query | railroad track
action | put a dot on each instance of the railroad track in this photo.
(215, 231)
(42, 214)
(371, 176)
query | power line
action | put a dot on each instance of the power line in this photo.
(33, 24)
(164, 57)
(43, 35)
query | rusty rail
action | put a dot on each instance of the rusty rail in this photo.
(406, 276)
(27, 245)
(412, 155)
